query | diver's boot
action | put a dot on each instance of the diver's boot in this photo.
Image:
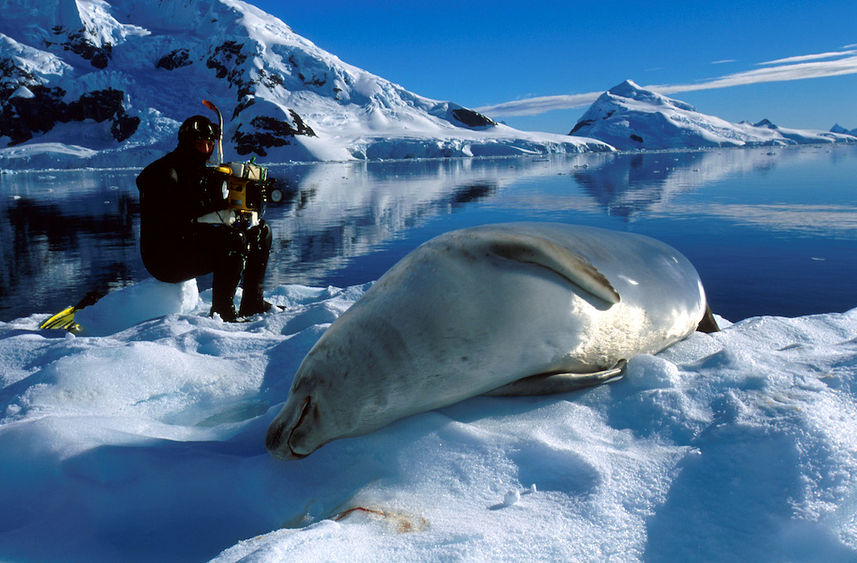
(256, 307)
(252, 299)
(223, 286)
(226, 310)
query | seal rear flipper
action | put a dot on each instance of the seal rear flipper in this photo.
(708, 324)
(547, 384)
(532, 249)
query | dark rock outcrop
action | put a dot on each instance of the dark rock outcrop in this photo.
(78, 43)
(23, 116)
(226, 60)
(472, 118)
(269, 132)
(174, 59)
(461, 116)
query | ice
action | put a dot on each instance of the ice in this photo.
(147, 443)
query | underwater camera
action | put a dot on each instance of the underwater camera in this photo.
(246, 187)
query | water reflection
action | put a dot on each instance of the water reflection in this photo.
(634, 184)
(62, 230)
(336, 212)
(63, 234)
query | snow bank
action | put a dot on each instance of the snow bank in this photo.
(140, 302)
(147, 444)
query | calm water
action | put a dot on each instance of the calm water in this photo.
(771, 231)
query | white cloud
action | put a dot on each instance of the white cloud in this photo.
(803, 58)
(543, 104)
(779, 73)
(802, 67)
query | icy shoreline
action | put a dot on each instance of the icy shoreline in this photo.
(272, 164)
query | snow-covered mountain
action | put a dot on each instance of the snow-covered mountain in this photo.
(98, 83)
(630, 117)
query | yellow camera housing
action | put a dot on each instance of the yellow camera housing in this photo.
(244, 186)
(240, 178)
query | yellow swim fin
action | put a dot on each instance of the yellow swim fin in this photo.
(65, 318)
(62, 320)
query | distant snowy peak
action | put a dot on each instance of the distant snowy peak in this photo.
(843, 131)
(118, 78)
(630, 117)
(630, 92)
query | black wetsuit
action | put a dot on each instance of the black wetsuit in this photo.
(175, 247)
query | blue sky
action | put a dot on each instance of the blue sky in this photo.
(793, 62)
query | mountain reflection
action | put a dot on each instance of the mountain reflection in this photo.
(632, 184)
(57, 231)
(340, 211)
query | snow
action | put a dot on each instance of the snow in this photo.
(42, 155)
(146, 443)
(22, 92)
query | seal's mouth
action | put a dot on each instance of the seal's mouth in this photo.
(305, 409)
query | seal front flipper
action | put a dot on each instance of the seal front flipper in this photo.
(540, 251)
(548, 384)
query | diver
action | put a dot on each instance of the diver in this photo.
(175, 191)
